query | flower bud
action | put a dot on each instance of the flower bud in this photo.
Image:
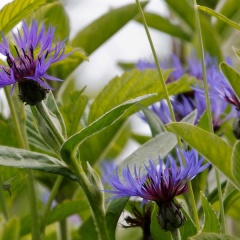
(31, 92)
(170, 216)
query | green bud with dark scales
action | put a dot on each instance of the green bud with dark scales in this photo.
(31, 92)
(170, 216)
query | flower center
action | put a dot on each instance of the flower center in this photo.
(23, 65)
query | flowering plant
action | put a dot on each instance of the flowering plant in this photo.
(72, 160)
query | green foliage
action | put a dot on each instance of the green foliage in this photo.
(14, 12)
(69, 148)
(73, 111)
(160, 145)
(232, 76)
(219, 154)
(114, 210)
(11, 229)
(212, 236)
(164, 25)
(19, 158)
(211, 223)
(219, 16)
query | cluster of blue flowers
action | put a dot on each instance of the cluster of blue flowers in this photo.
(221, 94)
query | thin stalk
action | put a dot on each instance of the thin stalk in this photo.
(175, 234)
(18, 132)
(98, 215)
(63, 229)
(2, 201)
(47, 207)
(33, 206)
(31, 188)
(208, 109)
(161, 78)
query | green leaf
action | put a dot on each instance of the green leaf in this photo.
(53, 107)
(73, 111)
(14, 12)
(160, 145)
(155, 123)
(190, 118)
(35, 140)
(229, 10)
(11, 229)
(212, 236)
(189, 228)
(219, 16)
(88, 230)
(135, 83)
(232, 76)
(54, 14)
(99, 31)
(236, 162)
(8, 133)
(20, 158)
(203, 121)
(211, 223)
(212, 147)
(184, 10)
(113, 212)
(163, 24)
(69, 148)
(44, 129)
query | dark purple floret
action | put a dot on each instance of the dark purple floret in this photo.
(35, 51)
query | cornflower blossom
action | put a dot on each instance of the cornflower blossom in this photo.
(35, 52)
(219, 87)
(160, 183)
(185, 103)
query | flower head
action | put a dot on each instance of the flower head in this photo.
(160, 182)
(219, 87)
(35, 52)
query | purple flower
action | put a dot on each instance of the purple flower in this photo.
(35, 52)
(219, 87)
(159, 182)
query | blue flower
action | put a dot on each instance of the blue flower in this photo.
(184, 103)
(219, 87)
(159, 182)
(35, 52)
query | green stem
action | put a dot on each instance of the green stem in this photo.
(175, 234)
(2, 201)
(18, 132)
(43, 111)
(47, 208)
(193, 203)
(24, 144)
(33, 206)
(161, 78)
(98, 214)
(63, 230)
(208, 109)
